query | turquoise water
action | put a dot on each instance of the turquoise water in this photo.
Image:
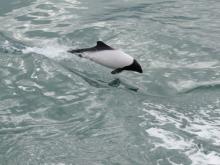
(58, 109)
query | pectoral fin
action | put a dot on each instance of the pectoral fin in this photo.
(116, 71)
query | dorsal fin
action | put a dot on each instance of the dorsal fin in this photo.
(99, 47)
(102, 46)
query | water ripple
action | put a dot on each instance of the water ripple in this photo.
(60, 109)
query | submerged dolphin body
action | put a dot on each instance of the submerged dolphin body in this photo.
(109, 57)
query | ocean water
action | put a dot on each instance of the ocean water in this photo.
(58, 109)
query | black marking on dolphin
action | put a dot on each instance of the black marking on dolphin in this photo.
(135, 66)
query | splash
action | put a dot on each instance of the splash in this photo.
(51, 49)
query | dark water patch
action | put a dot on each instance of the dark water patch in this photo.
(47, 7)
(88, 79)
(175, 19)
(62, 25)
(88, 34)
(44, 14)
(113, 13)
(119, 17)
(37, 22)
(10, 5)
(41, 33)
(141, 7)
(24, 18)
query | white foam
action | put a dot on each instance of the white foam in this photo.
(206, 130)
(200, 158)
(168, 139)
(202, 125)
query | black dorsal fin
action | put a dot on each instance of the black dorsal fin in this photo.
(102, 46)
(99, 47)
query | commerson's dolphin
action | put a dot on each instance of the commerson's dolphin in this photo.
(109, 57)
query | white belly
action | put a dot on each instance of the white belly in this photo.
(110, 58)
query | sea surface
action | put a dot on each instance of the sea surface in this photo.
(59, 109)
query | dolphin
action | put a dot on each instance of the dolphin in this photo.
(107, 56)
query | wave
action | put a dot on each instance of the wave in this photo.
(9, 45)
(190, 86)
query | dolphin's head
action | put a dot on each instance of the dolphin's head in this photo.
(135, 66)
